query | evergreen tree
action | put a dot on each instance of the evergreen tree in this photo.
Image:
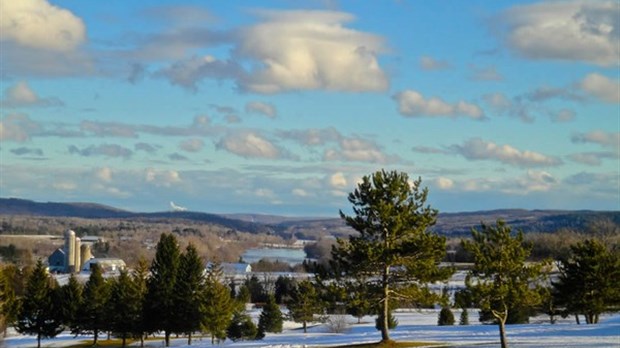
(393, 247)
(241, 327)
(392, 322)
(93, 313)
(359, 300)
(189, 288)
(589, 281)
(257, 290)
(285, 287)
(270, 319)
(464, 318)
(140, 277)
(304, 303)
(12, 288)
(38, 315)
(160, 307)
(446, 317)
(124, 307)
(71, 302)
(504, 281)
(217, 306)
(244, 295)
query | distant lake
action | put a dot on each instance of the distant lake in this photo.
(290, 256)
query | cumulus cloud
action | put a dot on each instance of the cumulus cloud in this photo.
(18, 128)
(531, 181)
(578, 30)
(38, 24)
(313, 136)
(601, 87)
(21, 95)
(412, 103)
(165, 178)
(478, 149)
(357, 150)
(304, 50)
(108, 129)
(430, 64)
(192, 145)
(264, 109)
(187, 73)
(515, 107)
(107, 150)
(103, 174)
(250, 145)
(605, 139)
(593, 158)
(444, 183)
(338, 180)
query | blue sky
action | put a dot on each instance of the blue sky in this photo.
(282, 106)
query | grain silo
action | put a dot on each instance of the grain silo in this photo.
(78, 260)
(85, 254)
(70, 251)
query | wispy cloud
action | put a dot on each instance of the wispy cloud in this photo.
(412, 103)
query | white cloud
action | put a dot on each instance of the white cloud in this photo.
(304, 50)
(248, 145)
(601, 87)
(265, 109)
(578, 30)
(338, 180)
(40, 25)
(165, 178)
(444, 183)
(18, 128)
(192, 145)
(412, 103)
(478, 149)
(356, 149)
(429, 63)
(300, 192)
(593, 158)
(532, 181)
(606, 139)
(313, 136)
(104, 174)
(21, 95)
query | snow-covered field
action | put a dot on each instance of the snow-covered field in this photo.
(420, 326)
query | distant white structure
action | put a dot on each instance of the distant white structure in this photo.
(175, 207)
(107, 265)
(71, 256)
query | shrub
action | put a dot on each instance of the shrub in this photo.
(464, 319)
(445, 317)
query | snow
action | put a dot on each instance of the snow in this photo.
(420, 326)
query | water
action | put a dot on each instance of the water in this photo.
(290, 256)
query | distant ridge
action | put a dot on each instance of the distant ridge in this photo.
(456, 224)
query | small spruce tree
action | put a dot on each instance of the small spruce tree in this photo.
(270, 319)
(446, 317)
(71, 302)
(241, 327)
(94, 314)
(304, 303)
(217, 305)
(464, 318)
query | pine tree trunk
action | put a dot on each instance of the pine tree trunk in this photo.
(167, 338)
(305, 330)
(577, 319)
(189, 339)
(142, 340)
(124, 340)
(502, 333)
(212, 339)
(385, 334)
(96, 334)
(39, 340)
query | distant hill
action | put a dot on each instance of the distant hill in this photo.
(451, 224)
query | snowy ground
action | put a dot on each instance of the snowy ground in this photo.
(413, 326)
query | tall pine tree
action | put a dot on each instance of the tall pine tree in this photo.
(93, 313)
(393, 247)
(160, 307)
(139, 277)
(217, 306)
(71, 302)
(189, 288)
(305, 303)
(124, 307)
(270, 319)
(503, 279)
(589, 281)
(38, 314)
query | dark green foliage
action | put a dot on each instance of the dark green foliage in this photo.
(71, 302)
(285, 287)
(463, 298)
(189, 288)
(392, 321)
(241, 327)
(393, 245)
(11, 283)
(160, 305)
(505, 285)
(589, 281)
(244, 295)
(270, 319)
(464, 319)
(257, 291)
(446, 317)
(217, 306)
(359, 300)
(38, 314)
(305, 303)
(93, 314)
(125, 307)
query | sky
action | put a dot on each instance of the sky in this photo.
(281, 107)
